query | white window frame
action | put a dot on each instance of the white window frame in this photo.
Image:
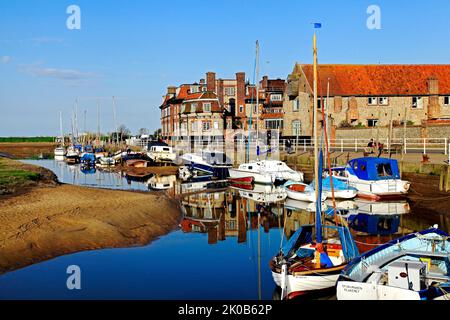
(417, 102)
(194, 106)
(241, 108)
(296, 105)
(194, 89)
(216, 125)
(276, 97)
(206, 128)
(372, 101)
(448, 100)
(194, 126)
(383, 101)
(374, 124)
(229, 91)
(296, 127)
(206, 106)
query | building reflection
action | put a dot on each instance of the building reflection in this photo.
(226, 214)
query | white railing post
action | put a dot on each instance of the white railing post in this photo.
(424, 146)
(342, 145)
(356, 145)
(445, 146)
(304, 145)
(404, 143)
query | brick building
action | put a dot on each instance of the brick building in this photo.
(203, 111)
(367, 96)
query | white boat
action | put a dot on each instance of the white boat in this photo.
(301, 191)
(262, 193)
(382, 208)
(374, 178)
(266, 172)
(161, 182)
(298, 205)
(161, 153)
(341, 189)
(414, 267)
(60, 152)
(107, 161)
(214, 163)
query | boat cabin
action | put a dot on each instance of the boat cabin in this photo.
(373, 168)
(160, 149)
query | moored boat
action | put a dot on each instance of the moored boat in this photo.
(413, 267)
(161, 152)
(375, 178)
(301, 191)
(266, 172)
(244, 180)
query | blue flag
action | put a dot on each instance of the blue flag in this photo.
(317, 25)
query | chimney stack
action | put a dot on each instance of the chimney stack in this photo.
(434, 108)
(211, 81)
(265, 82)
(240, 92)
(172, 90)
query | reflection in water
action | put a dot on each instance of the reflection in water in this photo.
(227, 237)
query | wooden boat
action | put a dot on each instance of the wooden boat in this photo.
(312, 259)
(137, 163)
(413, 267)
(301, 191)
(243, 180)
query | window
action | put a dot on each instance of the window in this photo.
(206, 106)
(183, 108)
(296, 105)
(372, 101)
(229, 91)
(417, 102)
(255, 109)
(276, 97)
(274, 124)
(241, 109)
(194, 89)
(383, 101)
(194, 107)
(319, 103)
(206, 125)
(216, 125)
(384, 170)
(194, 126)
(447, 100)
(372, 122)
(296, 127)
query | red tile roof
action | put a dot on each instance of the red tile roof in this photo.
(366, 80)
(184, 94)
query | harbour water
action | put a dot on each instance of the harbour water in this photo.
(221, 249)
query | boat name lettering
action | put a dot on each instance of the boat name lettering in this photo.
(351, 288)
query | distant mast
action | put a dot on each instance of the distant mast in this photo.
(61, 129)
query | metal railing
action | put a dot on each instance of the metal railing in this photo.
(398, 145)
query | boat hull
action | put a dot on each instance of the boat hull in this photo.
(342, 194)
(350, 290)
(244, 180)
(258, 178)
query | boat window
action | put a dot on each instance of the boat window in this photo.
(355, 165)
(250, 167)
(362, 167)
(166, 149)
(384, 170)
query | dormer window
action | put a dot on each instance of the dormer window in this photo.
(194, 89)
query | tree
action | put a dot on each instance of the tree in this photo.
(143, 131)
(124, 132)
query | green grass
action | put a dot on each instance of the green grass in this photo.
(13, 176)
(27, 139)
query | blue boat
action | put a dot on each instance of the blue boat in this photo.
(208, 162)
(413, 267)
(374, 178)
(88, 159)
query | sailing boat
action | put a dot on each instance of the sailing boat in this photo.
(60, 151)
(315, 255)
(264, 171)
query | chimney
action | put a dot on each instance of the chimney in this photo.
(211, 81)
(220, 92)
(171, 91)
(434, 108)
(202, 81)
(265, 82)
(240, 91)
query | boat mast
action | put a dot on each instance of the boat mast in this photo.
(98, 122)
(115, 120)
(61, 129)
(257, 100)
(316, 149)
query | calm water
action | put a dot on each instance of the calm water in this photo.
(221, 249)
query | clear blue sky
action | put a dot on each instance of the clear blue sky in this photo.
(135, 49)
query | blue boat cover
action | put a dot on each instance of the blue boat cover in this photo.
(338, 184)
(349, 247)
(88, 157)
(302, 236)
(374, 168)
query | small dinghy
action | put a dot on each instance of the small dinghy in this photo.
(301, 191)
(342, 190)
(137, 163)
(414, 267)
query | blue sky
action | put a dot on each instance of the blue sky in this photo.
(135, 49)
